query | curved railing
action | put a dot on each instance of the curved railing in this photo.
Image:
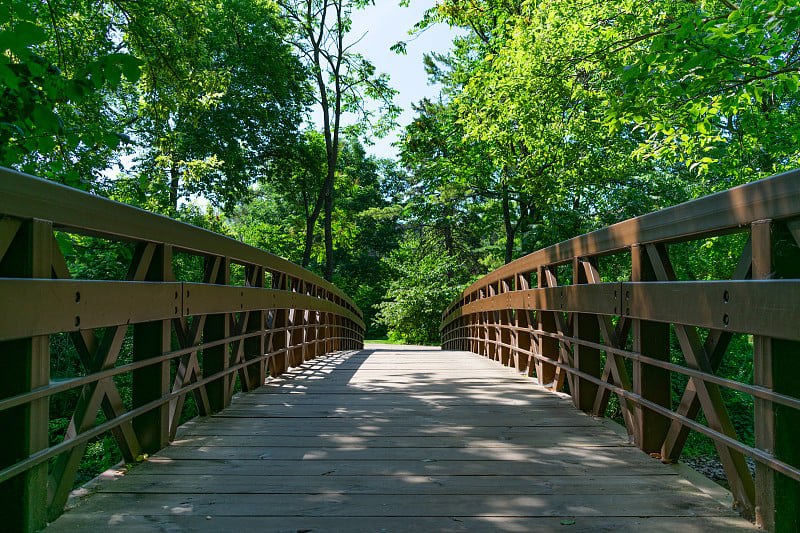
(552, 314)
(252, 313)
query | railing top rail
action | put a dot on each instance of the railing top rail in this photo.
(776, 197)
(25, 196)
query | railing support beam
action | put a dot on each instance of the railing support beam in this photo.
(546, 346)
(26, 366)
(651, 383)
(152, 382)
(256, 346)
(776, 366)
(586, 359)
(217, 358)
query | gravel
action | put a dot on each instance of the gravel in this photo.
(712, 468)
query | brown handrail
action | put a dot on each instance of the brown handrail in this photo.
(594, 338)
(206, 338)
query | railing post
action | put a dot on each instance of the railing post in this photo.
(255, 346)
(491, 327)
(278, 336)
(351, 335)
(152, 382)
(475, 321)
(337, 330)
(504, 333)
(483, 328)
(547, 346)
(522, 320)
(319, 333)
(26, 366)
(314, 327)
(472, 332)
(586, 359)
(652, 383)
(776, 367)
(216, 359)
(326, 327)
(457, 341)
(298, 324)
(308, 330)
(460, 338)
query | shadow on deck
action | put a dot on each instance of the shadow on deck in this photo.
(398, 438)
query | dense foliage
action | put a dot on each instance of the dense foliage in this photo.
(554, 118)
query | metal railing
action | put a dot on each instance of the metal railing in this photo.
(553, 315)
(206, 337)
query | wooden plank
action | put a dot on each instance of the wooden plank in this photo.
(516, 453)
(484, 415)
(327, 505)
(245, 426)
(131, 523)
(352, 467)
(418, 423)
(264, 397)
(453, 485)
(400, 449)
(488, 438)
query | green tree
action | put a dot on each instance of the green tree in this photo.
(59, 69)
(421, 285)
(343, 80)
(219, 146)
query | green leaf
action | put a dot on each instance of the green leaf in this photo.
(630, 72)
(8, 77)
(36, 69)
(73, 140)
(399, 47)
(45, 118)
(112, 74)
(131, 68)
(111, 140)
(46, 145)
(28, 34)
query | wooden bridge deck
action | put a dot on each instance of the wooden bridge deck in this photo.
(398, 438)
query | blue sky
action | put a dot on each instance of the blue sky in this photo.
(386, 23)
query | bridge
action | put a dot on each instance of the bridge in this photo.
(303, 428)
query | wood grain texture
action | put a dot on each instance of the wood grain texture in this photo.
(395, 438)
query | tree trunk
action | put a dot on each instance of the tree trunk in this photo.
(174, 182)
(511, 229)
(449, 242)
(311, 222)
(329, 235)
